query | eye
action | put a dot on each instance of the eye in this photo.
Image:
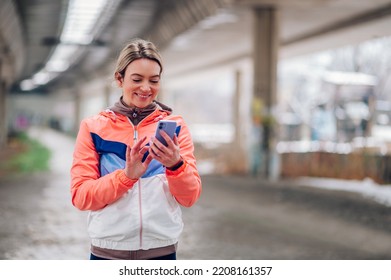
(154, 81)
(136, 80)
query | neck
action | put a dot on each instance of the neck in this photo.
(134, 113)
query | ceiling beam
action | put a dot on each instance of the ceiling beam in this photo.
(361, 19)
(183, 15)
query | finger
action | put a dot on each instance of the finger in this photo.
(137, 146)
(140, 142)
(155, 151)
(175, 140)
(143, 150)
(128, 150)
(166, 137)
(148, 159)
(158, 145)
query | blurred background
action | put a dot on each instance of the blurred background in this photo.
(272, 90)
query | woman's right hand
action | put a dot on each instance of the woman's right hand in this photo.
(134, 167)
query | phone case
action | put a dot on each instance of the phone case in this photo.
(168, 126)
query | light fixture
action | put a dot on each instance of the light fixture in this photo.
(27, 85)
(81, 19)
(220, 18)
(84, 20)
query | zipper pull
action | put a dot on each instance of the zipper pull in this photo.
(135, 135)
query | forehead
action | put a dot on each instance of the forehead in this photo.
(143, 66)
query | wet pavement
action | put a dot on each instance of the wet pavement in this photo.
(237, 217)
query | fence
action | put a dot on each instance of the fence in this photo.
(355, 166)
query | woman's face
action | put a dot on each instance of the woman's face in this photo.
(141, 82)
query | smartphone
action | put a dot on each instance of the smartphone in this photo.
(168, 127)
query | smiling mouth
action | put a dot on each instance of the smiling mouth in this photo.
(143, 95)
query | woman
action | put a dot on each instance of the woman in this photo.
(131, 183)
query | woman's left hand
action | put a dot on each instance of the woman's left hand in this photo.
(167, 155)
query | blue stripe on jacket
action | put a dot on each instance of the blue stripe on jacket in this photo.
(113, 157)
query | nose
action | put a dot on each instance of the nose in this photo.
(145, 87)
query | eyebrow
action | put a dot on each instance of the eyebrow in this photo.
(154, 76)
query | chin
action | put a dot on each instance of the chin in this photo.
(143, 104)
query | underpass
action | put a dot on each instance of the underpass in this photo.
(237, 217)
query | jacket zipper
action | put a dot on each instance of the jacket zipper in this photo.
(135, 134)
(135, 139)
(141, 215)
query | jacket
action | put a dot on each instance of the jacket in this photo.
(127, 214)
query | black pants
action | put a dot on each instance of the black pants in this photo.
(166, 257)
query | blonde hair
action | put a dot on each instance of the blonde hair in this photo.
(136, 49)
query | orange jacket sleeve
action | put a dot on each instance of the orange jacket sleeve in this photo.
(185, 182)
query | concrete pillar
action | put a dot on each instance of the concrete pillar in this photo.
(77, 104)
(238, 151)
(236, 109)
(265, 56)
(3, 120)
(107, 94)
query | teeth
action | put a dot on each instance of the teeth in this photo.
(143, 96)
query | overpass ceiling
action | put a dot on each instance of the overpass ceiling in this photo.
(188, 30)
(40, 19)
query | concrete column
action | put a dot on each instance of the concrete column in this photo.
(265, 55)
(107, 94)
(236, 109)
(3, 120)
(238, 151)
(77, 104)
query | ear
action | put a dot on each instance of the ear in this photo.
(119, 79)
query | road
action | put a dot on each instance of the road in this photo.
(237, 217)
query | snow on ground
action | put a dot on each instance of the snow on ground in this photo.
(367, 187)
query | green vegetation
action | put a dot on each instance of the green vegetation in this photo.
(24, 155)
